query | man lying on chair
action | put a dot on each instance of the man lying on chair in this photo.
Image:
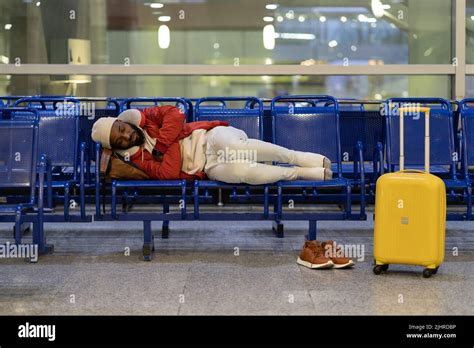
(159, 142)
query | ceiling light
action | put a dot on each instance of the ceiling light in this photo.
(164, 36)
(8, 26)
(164, 18)
(322, 19)
(156, 5)
(269, 36)
(268, 19)
(343, 19)
(271, 6)
(332, 43)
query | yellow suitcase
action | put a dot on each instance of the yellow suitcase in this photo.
(410, 213)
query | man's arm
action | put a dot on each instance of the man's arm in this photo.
(170, 121)
(168, 169)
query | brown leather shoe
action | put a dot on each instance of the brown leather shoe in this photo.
(333, 251)
(312, 256)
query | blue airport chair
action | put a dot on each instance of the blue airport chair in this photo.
(314, 129)
(443, 154)
(18, 172)
(442, 139)
(59, 126)
(365, 125)
(359, 124)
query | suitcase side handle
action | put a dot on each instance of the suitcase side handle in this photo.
(402, 112)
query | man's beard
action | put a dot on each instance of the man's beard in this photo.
(140, 138)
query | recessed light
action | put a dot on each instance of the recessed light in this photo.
(163, 36)
(271, 6)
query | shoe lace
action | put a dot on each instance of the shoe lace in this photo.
(317, 251)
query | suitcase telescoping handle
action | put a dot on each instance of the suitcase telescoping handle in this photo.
(402, 112)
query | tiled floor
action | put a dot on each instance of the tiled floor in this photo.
(226, 268)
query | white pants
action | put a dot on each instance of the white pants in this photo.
(233, 158)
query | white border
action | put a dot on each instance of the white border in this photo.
(458, 70)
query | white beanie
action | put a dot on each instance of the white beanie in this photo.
(101, 131)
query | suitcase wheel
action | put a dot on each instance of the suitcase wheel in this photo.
(427, 272)
(380, 268)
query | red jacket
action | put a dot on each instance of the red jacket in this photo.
(166, 124)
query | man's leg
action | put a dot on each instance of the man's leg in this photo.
(233, 140)
(259, 173)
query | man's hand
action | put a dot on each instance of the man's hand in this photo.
(157, 155)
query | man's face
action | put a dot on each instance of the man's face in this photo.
(124, 135)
